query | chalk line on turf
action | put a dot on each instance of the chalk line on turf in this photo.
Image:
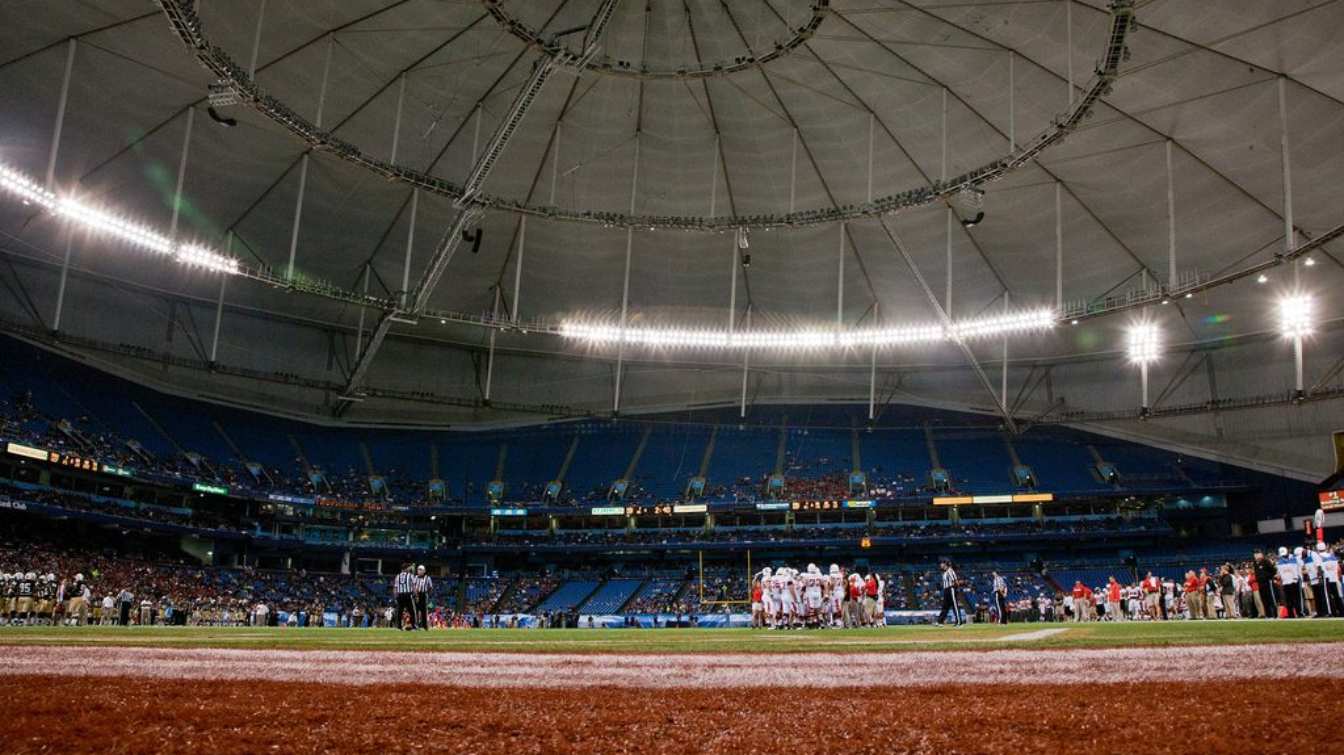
(913, 669)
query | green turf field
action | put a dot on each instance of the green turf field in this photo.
(892, 639)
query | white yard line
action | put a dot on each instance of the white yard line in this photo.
(1039, 634)
(913, 669)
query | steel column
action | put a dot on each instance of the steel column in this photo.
(326, 73)
(625, 285)
(359, 331)
(732, 288)
(256, 42)
(410, 247)
(65, 273)
(490, 360)
(1012, 101)
(793, 171)
(518, 269)
(396, 120)
(1068, 44)
(1171, 222)
(1143, 378)
(872, 369)
(219, 318)
(298, 216)
(746, 367)
(947, 301)
(1289, 231)
(555, 162)
(871, 123)
(60, 114)
(840, 283)
(181, 173)
(1003, 381)
(1059, 246)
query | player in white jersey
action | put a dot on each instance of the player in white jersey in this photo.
(836, 596)
(776, 592)
(812, 600)
(758, 598)
(789, 610)
(1330, 568)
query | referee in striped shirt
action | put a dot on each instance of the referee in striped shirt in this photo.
(420, 587)
(404, 587)
(1001, 596)
(949, 595)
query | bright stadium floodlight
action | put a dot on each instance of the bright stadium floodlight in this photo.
(1295, 314)
(807, 339)
(1145, 346)
(104, 222)
(1145, 343)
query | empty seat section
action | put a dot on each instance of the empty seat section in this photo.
(611, 596)
(603, 454)
(1060, 463)
(671, 457)
(895, 459)
(977, 459)
(567, 596)
(742, 459)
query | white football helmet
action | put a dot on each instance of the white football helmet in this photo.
(30, 575)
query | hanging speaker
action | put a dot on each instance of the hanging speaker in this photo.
(222, 120)
(474, 238)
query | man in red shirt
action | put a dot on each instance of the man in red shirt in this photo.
(1194, 596)
(1152, 593)
(1082, 602)
(1113, 611)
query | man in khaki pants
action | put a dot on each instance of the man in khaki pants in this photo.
(76, 595)
(1194, 595)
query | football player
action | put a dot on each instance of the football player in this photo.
(23, 604)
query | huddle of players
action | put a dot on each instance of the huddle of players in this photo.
(789, 599)
(28, 598)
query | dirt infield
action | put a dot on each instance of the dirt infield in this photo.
(65, 714)
(572, 671)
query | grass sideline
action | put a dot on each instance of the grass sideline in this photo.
(661, 641)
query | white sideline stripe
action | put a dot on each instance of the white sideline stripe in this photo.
(918, 668)
(1039, 634)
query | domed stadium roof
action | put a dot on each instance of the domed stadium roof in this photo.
(780, 165)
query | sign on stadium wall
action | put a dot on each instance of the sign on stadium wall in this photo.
(28, 452)
(1332, 500)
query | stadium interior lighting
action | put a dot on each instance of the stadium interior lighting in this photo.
(107, 223)
(1309, 262)
(806, 339)
(1145, 343)
(1295, 316)
(1262, 278)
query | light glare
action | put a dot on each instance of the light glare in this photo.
(805, 339)
(1295, 316)
(1145, 343)
(107, 223)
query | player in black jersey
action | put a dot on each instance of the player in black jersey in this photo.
(45, 594)
(9, 595)
(23, 605)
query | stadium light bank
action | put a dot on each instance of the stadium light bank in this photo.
(99, 221)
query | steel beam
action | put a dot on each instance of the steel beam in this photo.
(947, 323)
(469, 211)
(60, 114)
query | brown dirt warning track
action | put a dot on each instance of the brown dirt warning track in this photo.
(1157, 700)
